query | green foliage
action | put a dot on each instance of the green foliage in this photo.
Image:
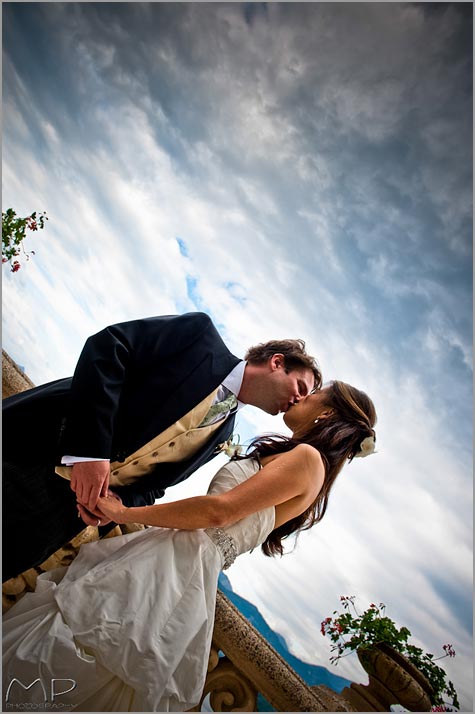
(350, 632)
(437, 677)
(14, 233)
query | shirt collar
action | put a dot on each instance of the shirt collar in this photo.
(233, 381)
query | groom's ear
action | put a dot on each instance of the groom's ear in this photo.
(277, 361)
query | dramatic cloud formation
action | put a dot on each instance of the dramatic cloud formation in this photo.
(294, 170)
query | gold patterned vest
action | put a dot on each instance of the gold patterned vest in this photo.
(177, 443)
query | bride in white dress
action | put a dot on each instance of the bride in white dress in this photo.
(128, 626)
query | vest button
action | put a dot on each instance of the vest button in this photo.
(134, 463)
(172, 443)
(155, 453)
(114, 473)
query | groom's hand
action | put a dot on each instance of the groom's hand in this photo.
(89, 480)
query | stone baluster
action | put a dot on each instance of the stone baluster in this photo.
(227, 686)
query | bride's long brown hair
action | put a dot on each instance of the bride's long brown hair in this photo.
(337, 436)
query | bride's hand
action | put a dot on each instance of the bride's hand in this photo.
(112, 507)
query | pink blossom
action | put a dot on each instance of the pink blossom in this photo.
(449, 650)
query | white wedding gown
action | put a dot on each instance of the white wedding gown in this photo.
(130, 621)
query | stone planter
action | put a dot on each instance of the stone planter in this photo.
(395, 680)
(410, 668)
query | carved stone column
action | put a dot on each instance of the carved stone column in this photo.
(228, 688)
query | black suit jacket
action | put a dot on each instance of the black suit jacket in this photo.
(132, 381)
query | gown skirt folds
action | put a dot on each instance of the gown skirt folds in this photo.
(128, 626)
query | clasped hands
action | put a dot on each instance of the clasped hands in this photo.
(90, 482)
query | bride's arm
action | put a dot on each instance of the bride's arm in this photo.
(296, 474)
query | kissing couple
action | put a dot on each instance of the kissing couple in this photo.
(131, 619)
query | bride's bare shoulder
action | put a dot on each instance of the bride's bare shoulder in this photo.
(310, 460)
(307, 451)
(304, 454)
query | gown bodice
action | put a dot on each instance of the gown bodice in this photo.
(251, 531)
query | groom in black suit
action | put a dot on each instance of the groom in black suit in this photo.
(148, 404)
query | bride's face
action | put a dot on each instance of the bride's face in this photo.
(303, 414)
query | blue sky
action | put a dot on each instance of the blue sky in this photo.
(295, 170)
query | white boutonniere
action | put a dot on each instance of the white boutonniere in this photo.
(231, 447)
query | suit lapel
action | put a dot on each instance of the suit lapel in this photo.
(190, 391)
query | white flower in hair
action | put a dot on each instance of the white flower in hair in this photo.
(367, 447)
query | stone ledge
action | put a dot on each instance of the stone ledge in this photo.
(270, 674)
(13, 379)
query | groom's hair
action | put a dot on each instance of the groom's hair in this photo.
(295, 356)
